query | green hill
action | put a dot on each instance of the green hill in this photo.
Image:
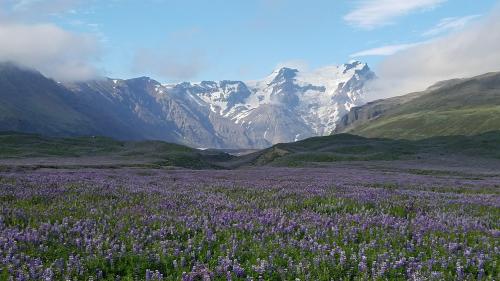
(457, 107)
(345, 147)
(37, 150)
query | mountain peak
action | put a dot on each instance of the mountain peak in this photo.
(353, 64)
(144, 80)
(10, 67)
(283, 74)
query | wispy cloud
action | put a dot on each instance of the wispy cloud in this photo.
(52, 5)
(450, 24)
(444, 26)
(299, 64)
(369, 14)
(39, 9)
(177, 58)
(170, 65)
(469, 52)
(384, 50)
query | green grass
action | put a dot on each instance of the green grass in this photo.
(157, 154)
(13, 145)
(425, 124)
(345, 147)
(118, 153)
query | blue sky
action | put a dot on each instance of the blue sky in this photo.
(212, 40)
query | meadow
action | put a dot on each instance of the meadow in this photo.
(271, 223)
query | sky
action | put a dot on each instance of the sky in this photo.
(192, 40)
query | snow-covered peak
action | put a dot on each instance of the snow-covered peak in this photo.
(314, 100)
(282, 75)
(219, 96)
(144, 79)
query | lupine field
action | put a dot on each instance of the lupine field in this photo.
(334, 223)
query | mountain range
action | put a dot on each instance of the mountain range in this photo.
(286, 106)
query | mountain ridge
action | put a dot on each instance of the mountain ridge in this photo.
(286, 106)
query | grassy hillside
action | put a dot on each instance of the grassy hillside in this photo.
(422, 124)
(15, 146)
(345, 147)
(38, 151)
(458, 107)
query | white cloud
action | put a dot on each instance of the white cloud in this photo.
(384, 50)
(374, 13)
(53, 51)
(28, 40)
(298, 64)
(450, 24)
(472, 51)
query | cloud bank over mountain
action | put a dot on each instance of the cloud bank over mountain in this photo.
(469, 52)
(57, 53)
(29, 40)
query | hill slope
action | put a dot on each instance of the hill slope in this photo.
(346, 147)
(32, 103)
(38, 151)
(35, 151)
(456, 107)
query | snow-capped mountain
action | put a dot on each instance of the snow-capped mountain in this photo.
(286, 106)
